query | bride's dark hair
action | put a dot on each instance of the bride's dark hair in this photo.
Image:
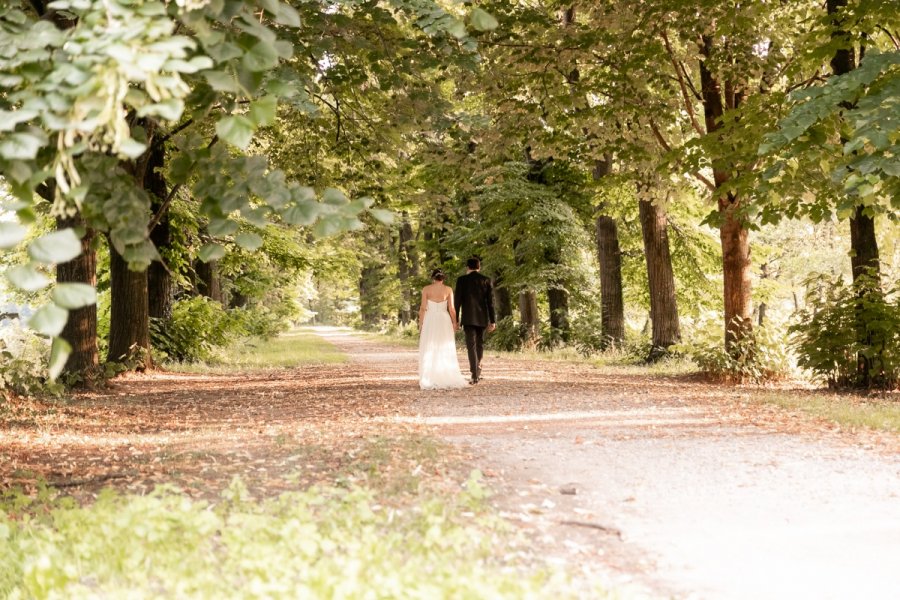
(438, 275)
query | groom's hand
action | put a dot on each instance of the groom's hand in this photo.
(492, 327)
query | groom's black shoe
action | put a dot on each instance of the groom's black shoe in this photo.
(473, 381)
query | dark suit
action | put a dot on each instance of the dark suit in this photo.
(475, 299)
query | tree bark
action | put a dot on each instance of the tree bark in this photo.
(661, 279)
(528, 316)
(159, 282)
(733, 233)
(864, 256)
(81, 328)
(209, 283)
(129, 324)
(367, 297)
(609, 256)
(558, 299)
(407, 267)
(502, 297)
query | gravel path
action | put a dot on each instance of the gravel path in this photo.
(667, 487)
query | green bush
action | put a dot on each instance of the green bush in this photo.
(198, 326)
(24, 356)
(845, 322)
(761, 355)
(321, 543)
(507, 337)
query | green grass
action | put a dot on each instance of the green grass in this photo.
(846, 410)
(320, 543)
(293, 349)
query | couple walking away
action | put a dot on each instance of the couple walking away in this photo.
(439, 317)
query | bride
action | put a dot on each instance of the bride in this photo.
(438, 365)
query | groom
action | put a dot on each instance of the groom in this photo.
(475, 298)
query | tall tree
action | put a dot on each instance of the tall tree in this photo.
(609, 256)
(666, 330)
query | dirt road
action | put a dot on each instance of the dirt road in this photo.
(668, 487)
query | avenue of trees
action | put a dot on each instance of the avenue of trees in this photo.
(624, 169)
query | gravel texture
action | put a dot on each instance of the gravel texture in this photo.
(666, 487)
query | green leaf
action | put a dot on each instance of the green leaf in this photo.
(56, 247)
(60, 350)
(49, 320)
(334, 196)
(22, 145)
(483, 20)
(27, 278)
(385, 216)
(131, 148)
(222, 81)
(73, 295)
(237, 130)
(249, 241)
(220, 227)
(263, 111)
(288, 15)
(301, 214)
(261, 57)
(11, 234)
(457, 29)
(327, 226)
(210, 252)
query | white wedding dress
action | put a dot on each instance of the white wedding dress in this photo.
(438, 365)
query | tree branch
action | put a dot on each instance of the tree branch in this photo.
(684, 91)
(165, 205)
(894, 40)
(174, 132)
(659, 137)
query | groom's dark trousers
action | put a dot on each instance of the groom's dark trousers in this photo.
(475, 348)
(475, 311)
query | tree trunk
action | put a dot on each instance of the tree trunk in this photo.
(661, 279)
(864, 257)
(81, 328)
(209, 283)
(159, 282)
(733, 233)
(735, 241)
(609, 257)
(528, 316)
(558, 299)
(502, 297)
(367, 297)
(129, 324)
(406, 270)
(503, 301)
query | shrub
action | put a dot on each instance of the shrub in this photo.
(198, 326)
(845, 322)
(24, 356)
(395, 328)
(761, 355)
(507, 337)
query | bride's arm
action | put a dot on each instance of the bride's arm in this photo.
(452, 310)
(422, 308)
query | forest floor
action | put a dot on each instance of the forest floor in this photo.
(662, 485)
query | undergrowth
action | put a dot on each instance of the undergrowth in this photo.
(325, 542)
(293, 349)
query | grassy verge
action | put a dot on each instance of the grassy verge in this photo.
(293, 349)
(844, 409)
(320, 543)
(385, 527)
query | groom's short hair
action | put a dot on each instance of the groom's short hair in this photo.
(473, 264)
